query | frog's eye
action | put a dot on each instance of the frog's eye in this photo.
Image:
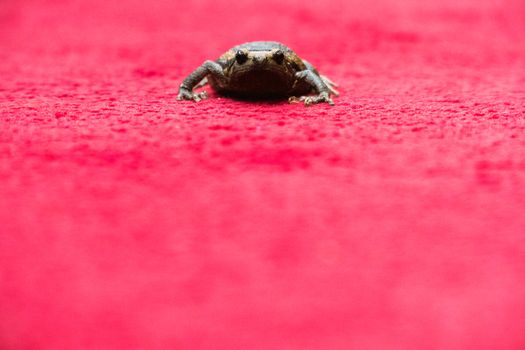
(241, 56)
(278, 56)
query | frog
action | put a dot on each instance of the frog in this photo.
(260, 70)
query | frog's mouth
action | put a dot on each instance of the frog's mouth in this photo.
(261, 81)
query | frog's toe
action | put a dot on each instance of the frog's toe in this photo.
(310, 100)
(323, 97)
(327, 100)
(185, 95)
(199, 96)
(192, 96)
(307, 100)
(295, 99)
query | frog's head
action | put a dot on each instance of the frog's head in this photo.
(266, 59)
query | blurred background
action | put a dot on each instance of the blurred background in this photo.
(393, 220)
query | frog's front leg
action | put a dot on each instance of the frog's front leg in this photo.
(318, 85)
(187, 86)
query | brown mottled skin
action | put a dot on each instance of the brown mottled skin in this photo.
(259, 70)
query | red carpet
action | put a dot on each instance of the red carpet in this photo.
(394, 220)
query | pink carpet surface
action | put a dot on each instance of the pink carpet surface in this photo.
(392, 220)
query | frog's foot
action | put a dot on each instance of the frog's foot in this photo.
(185, 94)
(310, 100)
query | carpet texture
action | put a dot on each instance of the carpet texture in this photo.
(393, 220)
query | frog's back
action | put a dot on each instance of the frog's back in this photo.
(262, 46)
